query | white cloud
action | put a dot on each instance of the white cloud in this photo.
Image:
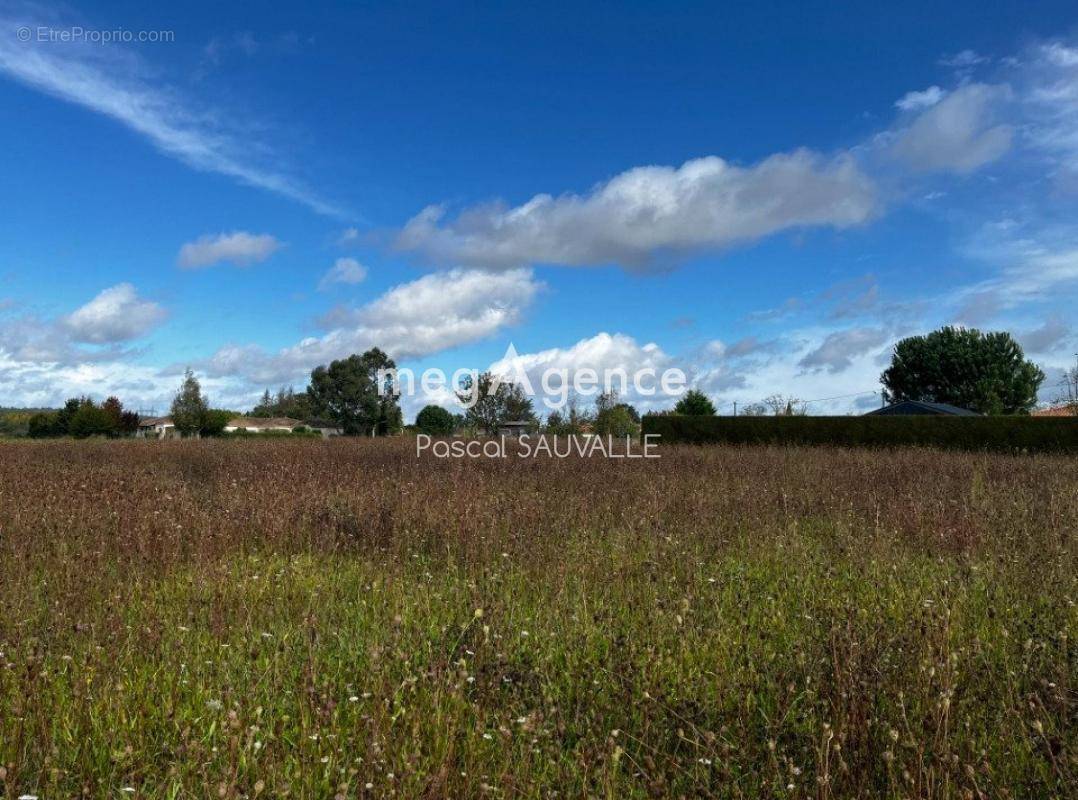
(239, 248)
(957, 134)
(433, 313)
(915, 101)
(344, 270)
(648, 215)
(115, 315)
(112, 82)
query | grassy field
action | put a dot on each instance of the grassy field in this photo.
(338, 619)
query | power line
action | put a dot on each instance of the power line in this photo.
(806, 402)
(840, 396)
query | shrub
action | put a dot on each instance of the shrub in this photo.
(44, 425)
(215, 420)
(435, 421)
(695, 403)
(1019, 433)
(91, 420)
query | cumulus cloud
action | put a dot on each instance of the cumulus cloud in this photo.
(959, 133)
(837, 351)
(112, 82)
(114, 316)
(433, 313)
(914, 101)
(239, 247)
(28, 338)
(117, 314)
(344, 270)
(648, 215)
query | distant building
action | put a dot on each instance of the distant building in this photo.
(262, 424)
(515, 427)
(156, 428)
(325, 427)
(916, 407)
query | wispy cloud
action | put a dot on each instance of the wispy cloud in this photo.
(112, 82)
(344, 270)
(964, 59)
(958, 133)
(913, 101)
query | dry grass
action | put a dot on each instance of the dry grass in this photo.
(321, 619)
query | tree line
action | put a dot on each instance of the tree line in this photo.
(82, 417)
(984, 372)
(964, 367)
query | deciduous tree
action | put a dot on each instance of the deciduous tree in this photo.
(495, 402)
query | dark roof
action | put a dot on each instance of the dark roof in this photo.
(149, 422)
(918, 407)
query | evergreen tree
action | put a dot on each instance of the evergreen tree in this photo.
(189, 406)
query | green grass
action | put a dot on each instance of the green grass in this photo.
(729, 622)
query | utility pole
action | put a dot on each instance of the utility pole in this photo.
(735, 408)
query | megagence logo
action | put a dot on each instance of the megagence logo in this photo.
(555, 384)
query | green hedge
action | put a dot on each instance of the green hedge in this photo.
(1033, 434)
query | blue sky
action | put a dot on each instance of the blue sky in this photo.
(765, 196)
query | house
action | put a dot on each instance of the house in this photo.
(156, 428)
(916, 407)
(1065, 410)
(262, 424)
(515, 427)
